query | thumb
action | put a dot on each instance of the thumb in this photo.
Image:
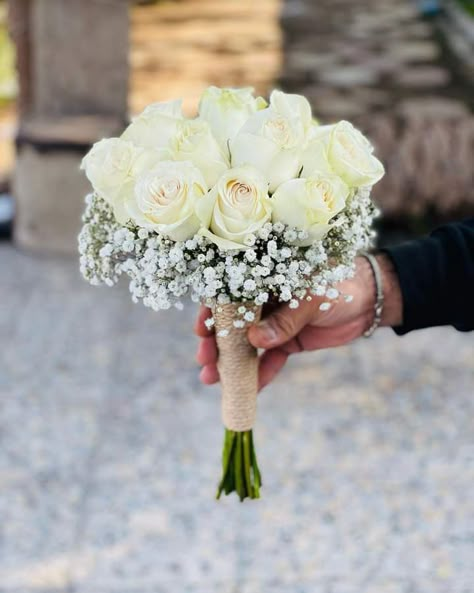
(281, 325)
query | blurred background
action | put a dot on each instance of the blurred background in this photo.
(109, 446)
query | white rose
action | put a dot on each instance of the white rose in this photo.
(291, 106)
(273, 139)
(156, 125)
(343, 150)
(194, 142)
(166, 197)
(309, 204)
(236, 207)
(112, 166)
(226, 111)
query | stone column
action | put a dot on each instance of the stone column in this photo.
(19, 27)
(76, 91)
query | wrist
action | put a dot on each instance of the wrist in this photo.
(392, 313)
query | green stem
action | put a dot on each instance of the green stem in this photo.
(256, 472)
(240, 472)
(230, 482)
(239, 482)
(227, 456)
(246, 455)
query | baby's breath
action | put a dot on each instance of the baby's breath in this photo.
(269, 267)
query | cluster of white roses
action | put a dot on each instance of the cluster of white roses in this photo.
(245, 202)
(238, 165)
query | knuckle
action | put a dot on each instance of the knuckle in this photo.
(283, 324)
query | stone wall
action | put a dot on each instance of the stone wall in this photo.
(80, 57)
(73, 60)
(380, 65)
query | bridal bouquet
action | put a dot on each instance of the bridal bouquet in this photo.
(248, 203)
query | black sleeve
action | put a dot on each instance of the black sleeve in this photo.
(437, 278)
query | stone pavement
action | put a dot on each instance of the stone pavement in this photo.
(380, 64)
(109, 454)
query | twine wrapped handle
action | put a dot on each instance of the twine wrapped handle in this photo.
(238, 368)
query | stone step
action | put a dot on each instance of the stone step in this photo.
(67, 132)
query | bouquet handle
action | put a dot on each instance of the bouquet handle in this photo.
(238, 370)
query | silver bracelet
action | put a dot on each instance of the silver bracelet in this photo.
(379, 300)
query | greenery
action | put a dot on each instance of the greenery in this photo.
(468, 5)
(8, 83)
(240, 471)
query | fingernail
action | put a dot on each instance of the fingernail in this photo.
(267, 332)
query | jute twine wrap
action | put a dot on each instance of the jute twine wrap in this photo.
(238, 368)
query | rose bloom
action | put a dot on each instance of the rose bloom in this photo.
(227, 110)
(343, 150)
(236, 207)
(309, 204)
(112, 166)
(272, 140)
(166, 197)
(291, 105)
(156, 125)
(194, 142)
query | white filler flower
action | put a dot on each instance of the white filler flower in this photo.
(166, 197)
(309, 204)
(343, 150)
(235, 208)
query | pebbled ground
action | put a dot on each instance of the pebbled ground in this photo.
(109, 454)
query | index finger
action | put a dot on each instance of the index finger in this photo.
(200, 328)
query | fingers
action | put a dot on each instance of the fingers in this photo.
(315, 338)
(207, 351)
(271, 363)
(281, 325)
(200, 327)
(273, 360)
(209, 374)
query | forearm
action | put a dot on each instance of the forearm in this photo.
(436, 279)
(392, 313)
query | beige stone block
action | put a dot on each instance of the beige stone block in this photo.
(349, 76)
(414, 51)
(80, 57)
(433, 107)
(48, 186)
(49, 190)
(423, 77)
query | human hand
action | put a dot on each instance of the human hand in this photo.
(284, 331)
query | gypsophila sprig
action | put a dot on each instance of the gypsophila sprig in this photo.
(248, 203)
(162, 271)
